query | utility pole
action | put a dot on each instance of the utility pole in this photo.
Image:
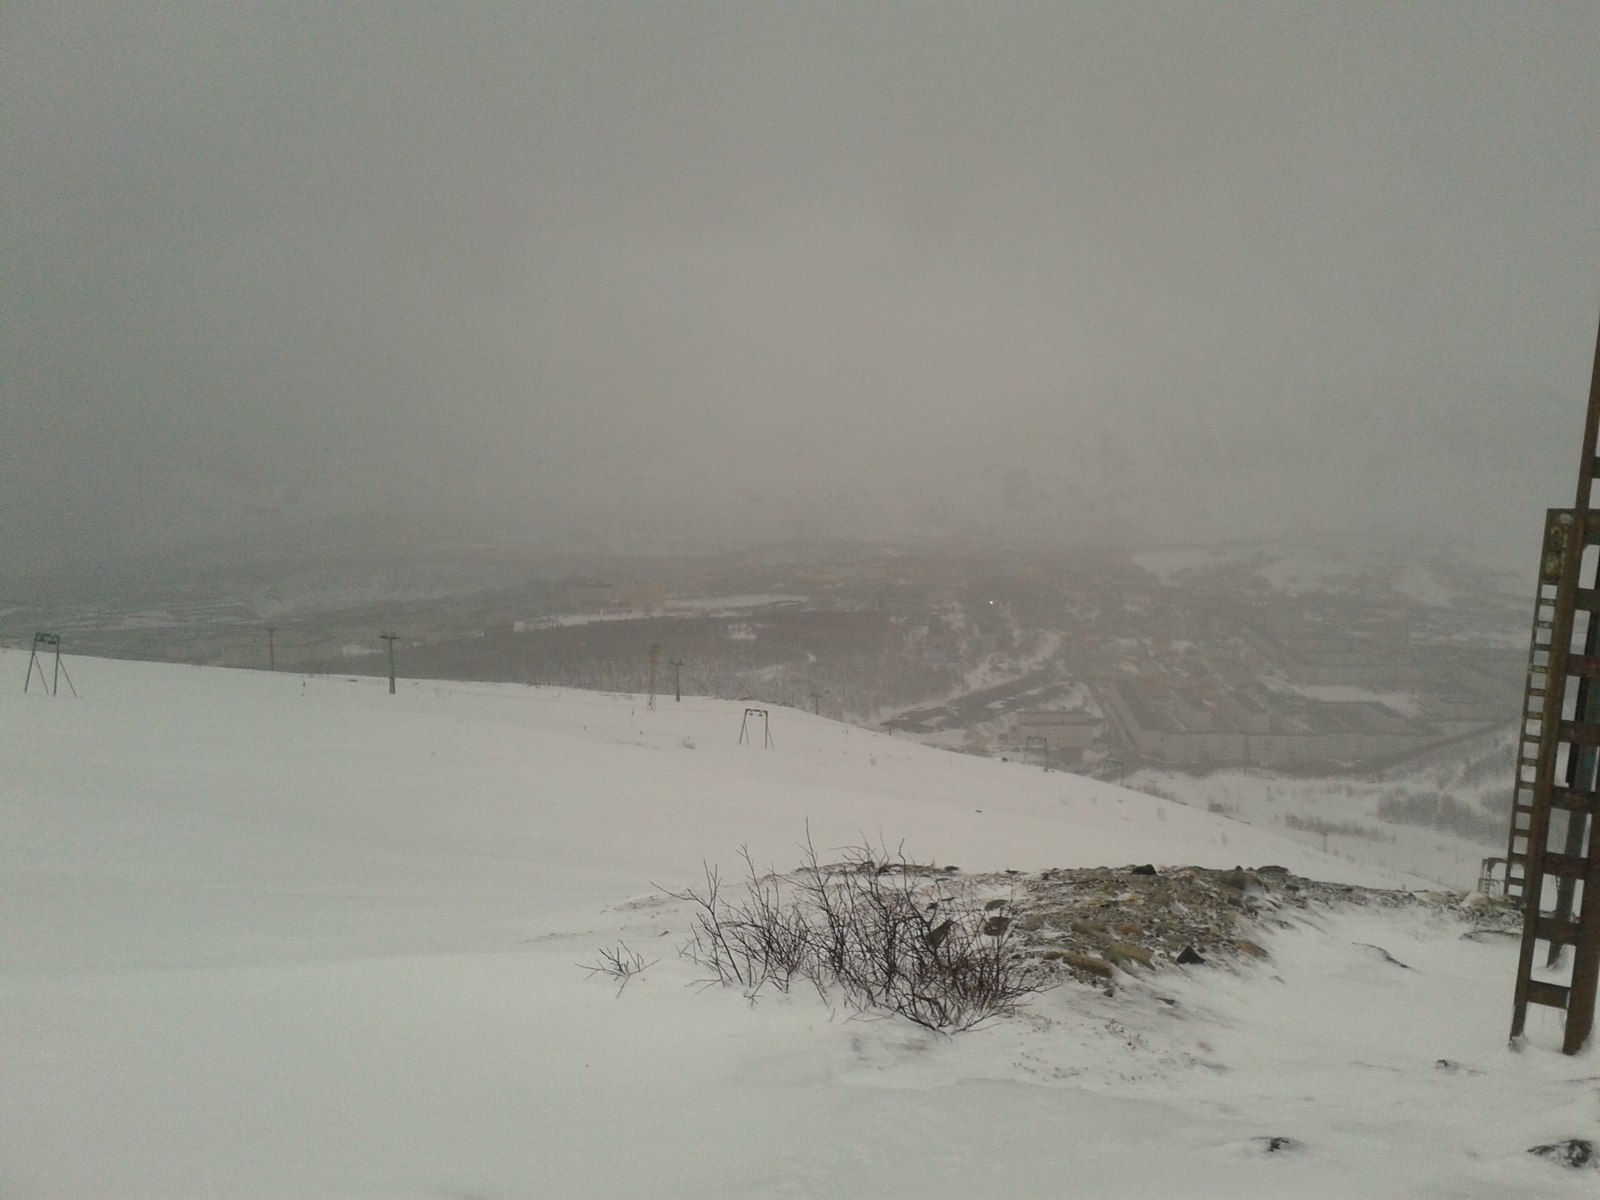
(655, 657)
(677, 690)
(272, 657)
(816, 703)
(390, 638)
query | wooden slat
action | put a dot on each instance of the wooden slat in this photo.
(1579, 733)
(1573, 800)
(1551, 995)
(1556, 929)
(1565, 866)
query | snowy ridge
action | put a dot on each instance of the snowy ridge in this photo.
(274, 936)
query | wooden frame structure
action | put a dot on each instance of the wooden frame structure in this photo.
(1552, 866)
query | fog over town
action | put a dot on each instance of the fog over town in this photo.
(688, 278)
(838, 598)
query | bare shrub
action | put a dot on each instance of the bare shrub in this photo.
(1436, 810)
(1352, 829)
(874, 929)
(620, 963)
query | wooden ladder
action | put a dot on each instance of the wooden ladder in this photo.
(1553, 823)
(1530, 732)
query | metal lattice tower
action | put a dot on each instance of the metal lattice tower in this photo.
(1551, 862)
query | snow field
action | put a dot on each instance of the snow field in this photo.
(265, 936)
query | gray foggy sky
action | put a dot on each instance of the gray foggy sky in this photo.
(666, 274)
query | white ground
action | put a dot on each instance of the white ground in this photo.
(1338, 814)
(264, 936)
(1407, 704)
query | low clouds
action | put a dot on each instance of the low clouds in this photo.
(645, 272)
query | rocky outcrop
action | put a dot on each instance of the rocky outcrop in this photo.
(1094, 922)
(1577, 1153)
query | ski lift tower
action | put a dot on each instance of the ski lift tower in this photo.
(1552, 864)
(47, 642)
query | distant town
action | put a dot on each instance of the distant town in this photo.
(1088, 659)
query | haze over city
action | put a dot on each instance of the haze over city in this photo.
(680, 276)
(733, 599)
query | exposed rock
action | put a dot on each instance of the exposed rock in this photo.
(1574, 1152)
(1492, 935)
(1147, 869)
(1384, 954)
(1082, 920)
(1276, 1144)
(1094, 966)
(1125, 952)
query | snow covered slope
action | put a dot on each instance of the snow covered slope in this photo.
(271, 936)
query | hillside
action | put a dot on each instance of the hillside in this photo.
(266, 935)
